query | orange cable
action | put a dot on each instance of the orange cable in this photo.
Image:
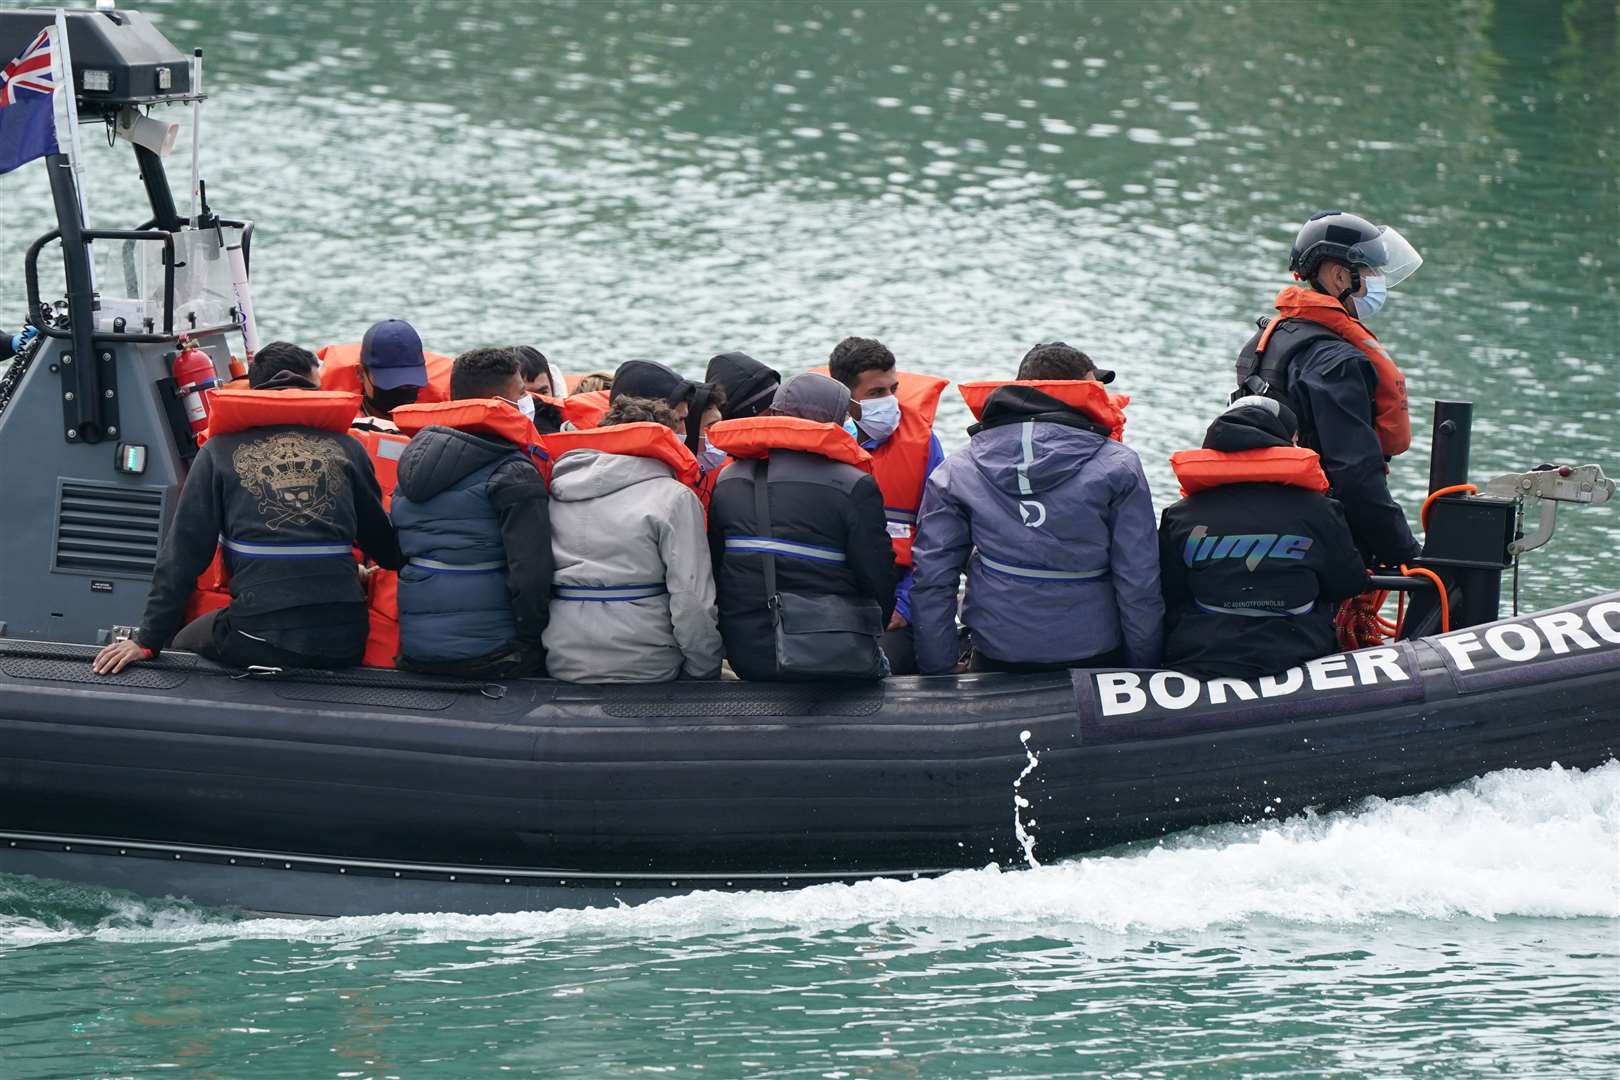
(1439, 586)
(1423, 514)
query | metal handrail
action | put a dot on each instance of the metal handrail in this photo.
(36, 309)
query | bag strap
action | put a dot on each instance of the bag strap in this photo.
(762, 522)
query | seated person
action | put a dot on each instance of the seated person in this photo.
(634, 595)
(894, 417)
(827, 533)
(710, 457)
(591, 383)
(1051, 518)
(748, 384)
(1256, 558)
(687, 400)
(540, 376)
(296, 596)
(393, 371)
(473, 520)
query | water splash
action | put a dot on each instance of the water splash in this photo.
(1021, 831)
(1514, 843)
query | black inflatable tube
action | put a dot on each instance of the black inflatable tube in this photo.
(392, 779)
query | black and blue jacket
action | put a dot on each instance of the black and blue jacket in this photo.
(474, 523)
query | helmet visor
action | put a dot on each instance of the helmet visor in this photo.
(1389, 253)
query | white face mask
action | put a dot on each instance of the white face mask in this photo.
(879, 417)
(710, 456)
(524, 405)
(1377, 293)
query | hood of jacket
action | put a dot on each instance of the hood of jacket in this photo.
(439, 457)
(1050, 457)
(1251, 427)
(747, 382)
(589, 474)
(1060, 440)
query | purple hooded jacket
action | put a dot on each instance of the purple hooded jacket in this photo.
(1053, 523)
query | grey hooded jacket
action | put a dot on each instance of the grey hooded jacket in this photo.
(1053, 523)
(633, 592)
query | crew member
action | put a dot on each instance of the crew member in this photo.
(474, 521)
(1050, 516)
(393, 371)
(827, 533)
(633, 599)
(13, 344)
(287, 494)
(1317, 357)
(894, 413)
(1255, 558)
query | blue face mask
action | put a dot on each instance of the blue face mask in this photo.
(854, 432)
(879, 417)
(710, 456)
(1377, 293)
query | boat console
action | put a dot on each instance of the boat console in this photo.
(91, 406)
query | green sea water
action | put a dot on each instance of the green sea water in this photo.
(617, 180)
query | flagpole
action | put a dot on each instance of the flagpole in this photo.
(196, 136)
(71, 100)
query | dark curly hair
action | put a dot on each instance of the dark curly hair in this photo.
(638, 410)
(482, 373)
(854, 355)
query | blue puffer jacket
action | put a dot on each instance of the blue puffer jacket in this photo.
(471, 516)
(1053, 523)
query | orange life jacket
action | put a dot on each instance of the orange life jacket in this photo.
(235, 409)
(240, 409)
(340, 370)
(756, 436)
(635, 440)
(382, 586)
(1088, 397)
(1295, 466)
(900, 462)
(1391, 419)
(480, 416)
(212, 591)
(586, 410)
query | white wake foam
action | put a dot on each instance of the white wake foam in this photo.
(1526, 843)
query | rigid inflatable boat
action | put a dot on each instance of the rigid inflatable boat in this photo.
(370, 790)
(375, 791)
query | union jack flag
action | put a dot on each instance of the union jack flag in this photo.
(29, 124)
(30, 71)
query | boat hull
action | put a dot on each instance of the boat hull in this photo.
(373, 791)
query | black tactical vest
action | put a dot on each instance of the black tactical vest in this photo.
(1266, 374)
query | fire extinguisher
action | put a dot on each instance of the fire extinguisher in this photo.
(194, 380)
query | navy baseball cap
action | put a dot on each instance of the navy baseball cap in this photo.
(392, 353)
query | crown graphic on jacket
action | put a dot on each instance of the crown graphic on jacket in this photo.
(290, 469)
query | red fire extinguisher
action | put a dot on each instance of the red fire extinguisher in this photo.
(194, 379)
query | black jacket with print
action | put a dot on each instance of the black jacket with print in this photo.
(286, 503)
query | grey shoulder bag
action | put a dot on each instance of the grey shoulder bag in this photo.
(816, 637)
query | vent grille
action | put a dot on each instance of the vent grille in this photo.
(106, 529)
